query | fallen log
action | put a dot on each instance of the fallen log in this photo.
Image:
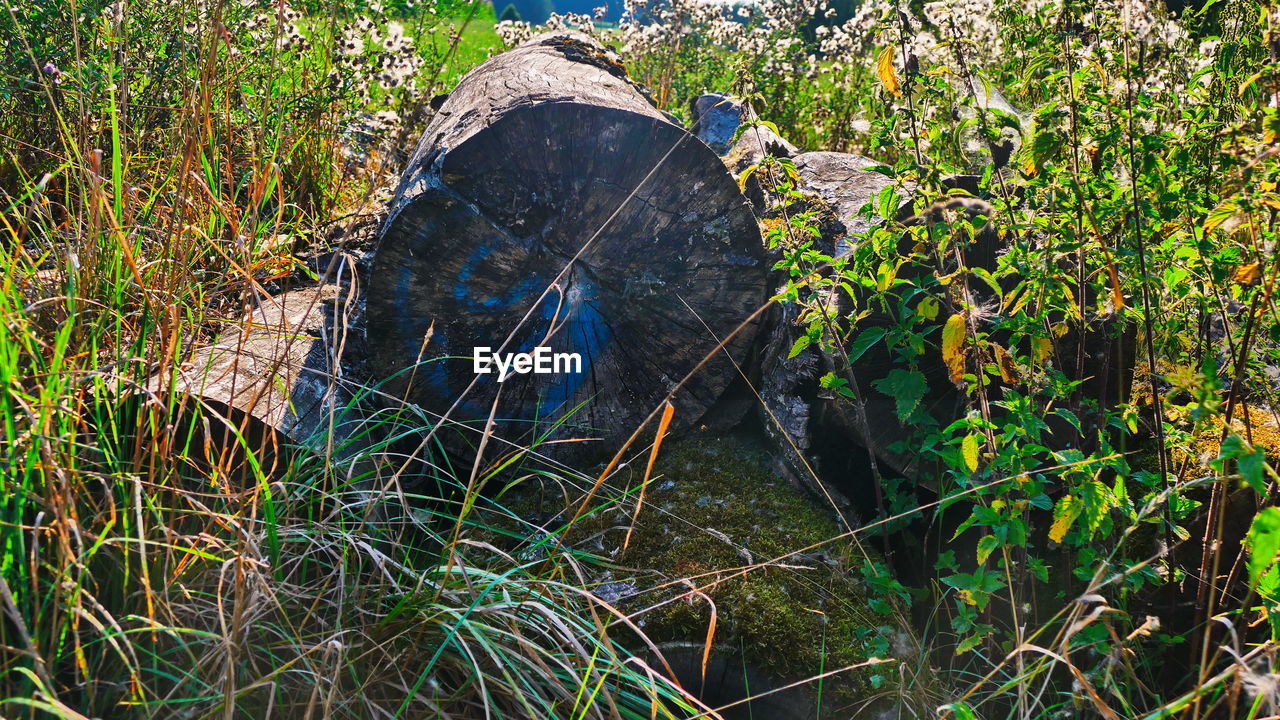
(845, 182)
(813, 426)
(550, 204)
(796, 412)
(266, 386)
(717, 118)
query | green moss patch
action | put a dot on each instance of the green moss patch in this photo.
(714, 517)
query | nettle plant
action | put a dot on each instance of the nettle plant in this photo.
(1134, 199)
(1133, 205)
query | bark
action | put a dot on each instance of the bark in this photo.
(268, 385)
(548, 186)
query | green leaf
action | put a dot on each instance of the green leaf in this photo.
(864, 341)
(1041, 501)
(1263, 544)
(1253, 468)
(1098, 500)
(985, 276)
(887, 203)
(962, 711)
(1069, 417)
(965, 646)
(800, 344)
(986, 546)
(969, 448)
(1251, 462)
(928, 308)
(906, 386)
(1220, 215)
(1045, 146)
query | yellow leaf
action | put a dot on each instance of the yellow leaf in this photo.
(1064, 514)
(969, 448)
(1041, 349)
(885, 275)
(1117, 295)
(1248, 274)
(928, 308)
(1247, 82)
(1102, 73)
(1008, 368)
(887, 73)
(953, 346)
(1220, 215)
(668, 412)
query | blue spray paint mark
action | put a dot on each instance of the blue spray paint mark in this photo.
(466, 296)
(584, 330)
(586, 333)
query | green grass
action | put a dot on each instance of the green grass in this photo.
(155, 178)
(142, 575)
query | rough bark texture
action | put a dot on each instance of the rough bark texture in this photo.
(798, 413)
(547, 186)
(270, 382)
(846, 183)
(717, 118)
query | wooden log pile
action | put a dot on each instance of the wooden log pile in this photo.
(268, 385)
(550, 204)
(812, 427)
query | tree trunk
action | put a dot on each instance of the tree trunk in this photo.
(269, 384)
(820, 424)
(550, 204)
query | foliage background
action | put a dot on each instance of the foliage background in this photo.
(165, 162)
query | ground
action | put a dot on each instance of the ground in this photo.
(788, 599)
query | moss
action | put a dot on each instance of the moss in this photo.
(714, 507)
(1204, 440)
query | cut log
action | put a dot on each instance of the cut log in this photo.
(800, 416)
(717, 118)
(814, 427)
(267, 385)
(550, 204)
(846, 182)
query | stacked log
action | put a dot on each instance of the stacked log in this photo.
(550, 204)
(269, 384)
(812, 427)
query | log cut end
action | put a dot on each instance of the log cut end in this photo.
(550, 205)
